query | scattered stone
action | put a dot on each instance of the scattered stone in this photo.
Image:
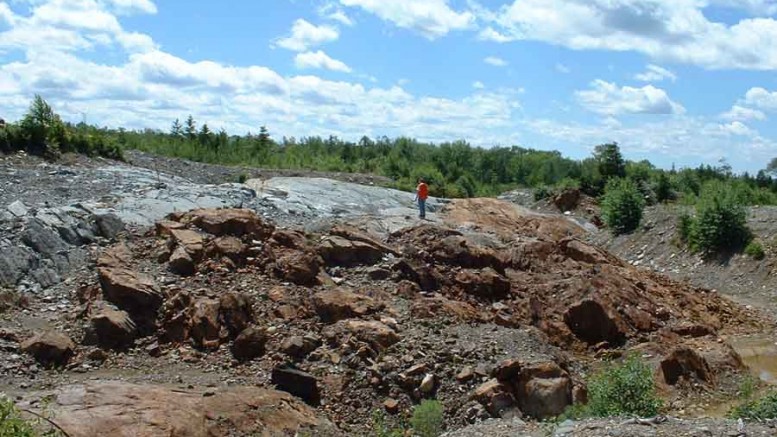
(339, 304)
(17, 208)
(465, 375)
(427, 384)
(108, 225)
(205, 327)
(391, 405)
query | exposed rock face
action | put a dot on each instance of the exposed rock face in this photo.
(338, 304)
(133, 292)
(50, 348)
(486, 283)
(122, 409)
(108, 225)
(684, 362)
(114, 329)
(298, 383)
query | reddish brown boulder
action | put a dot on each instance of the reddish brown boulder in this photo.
(543, 390)
(191, 241)
(181, 263)
(249, 344)
(338, 304)
(495, 396)
(339, 251)
(374, 333)
(583, 252)
(300, 268)
(165, 228)
(118, 255)
(235, 312)
(567, 200)
(205, 328)
(299, 383)
(133, 292)
(123, 409)
(486, 283)
(235, 222)
(114, 329)
(175, 318)
(298, 347)
(593, 324)
(51, 349)
(684, 362)
(227, 246)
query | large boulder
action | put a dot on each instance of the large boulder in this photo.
(339, 251)
(685, 363)
(249, 344)
(181, 262)
(567, 200)
(495, 396)
(378, 335)
(590, 321)
(14, 263)
(108, 225)
(133, 292)
(123, 409)
(51, 349)
(205, 328)
(338, 304)
(301, 268)
(230, 221)
(114, 329)
(235, 312)
(117, 256)
(543, 390)
(190, 241)
(299, 383)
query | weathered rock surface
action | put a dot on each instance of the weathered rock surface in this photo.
(133, 292)
(114, 329)
(122, 409)
(299, 383)
(249, 344)
(338, 304)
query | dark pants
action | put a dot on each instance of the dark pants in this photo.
(422, 208)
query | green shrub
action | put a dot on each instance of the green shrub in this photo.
(242, 178)
(663, 188)
(623, 389)
(755, 250)
(685, 228)
(720, 223)
(622, 206)
(13, 425)
(542, 193)
(757, 409)
(427, 420)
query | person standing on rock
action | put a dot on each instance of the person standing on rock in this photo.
(421, 194)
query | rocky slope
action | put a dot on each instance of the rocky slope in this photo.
(336, 294)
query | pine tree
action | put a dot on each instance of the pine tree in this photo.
(610, 161)
(177, 129)
(191, 128)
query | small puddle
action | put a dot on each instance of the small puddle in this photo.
(759, 353)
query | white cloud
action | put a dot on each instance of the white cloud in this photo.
(654, 73)
(305, 35)
(495, 61)
(132, 6)
(331, 11)
(320, 60)
(737, 128)
(675, 30)
(561, 68)
(761, 98)
(431, 18)
(489, 34)
(6, 14)
(741, 113)
(478, 85)
(608, 99)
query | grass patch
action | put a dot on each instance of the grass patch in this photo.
(762, 408)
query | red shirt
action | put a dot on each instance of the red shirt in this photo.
(423, 191)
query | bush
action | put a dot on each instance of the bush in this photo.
(685, 228)
(757, 409)
(623, 389)
(542, 193)
(13, 425)
(381, 429)
(427, 419)
(755, 250)
(720, 223)
(622, 206)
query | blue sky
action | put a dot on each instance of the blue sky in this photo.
(673, 81)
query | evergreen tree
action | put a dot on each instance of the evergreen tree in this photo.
(191, 128)
(610, 161)
(177, 129)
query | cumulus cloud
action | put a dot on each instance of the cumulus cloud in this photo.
(430, 18)
(305, 35)
(489, 34)
(132, 6)
(761, 98)
(478, 85)
(654, 73)
(331, 11)
(320, 60)
(495, 61)
(662, 29)
(742, 113)
(609, 99)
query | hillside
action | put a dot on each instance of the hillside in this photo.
(150, 289)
